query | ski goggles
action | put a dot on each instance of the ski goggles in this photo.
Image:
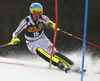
(35, 13)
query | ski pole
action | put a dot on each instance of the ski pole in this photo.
(6, 44)
(13, 41)
(77, 37)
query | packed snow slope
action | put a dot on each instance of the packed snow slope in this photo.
(14, 69)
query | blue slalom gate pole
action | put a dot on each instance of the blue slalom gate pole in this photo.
(84, 39)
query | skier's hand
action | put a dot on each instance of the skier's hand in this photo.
(15, 41)
(50, 25)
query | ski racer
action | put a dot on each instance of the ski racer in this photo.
(36, 41)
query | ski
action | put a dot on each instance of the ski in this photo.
(67, 70)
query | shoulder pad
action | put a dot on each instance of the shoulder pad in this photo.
(27, 19)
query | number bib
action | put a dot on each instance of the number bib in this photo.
(34, 30)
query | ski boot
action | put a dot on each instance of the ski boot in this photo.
(61, 66)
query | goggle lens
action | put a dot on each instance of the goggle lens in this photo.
(35, 13)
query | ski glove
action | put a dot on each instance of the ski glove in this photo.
(50, 25)
(15, 41)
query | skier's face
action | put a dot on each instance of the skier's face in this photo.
(36, 15)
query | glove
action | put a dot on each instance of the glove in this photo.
(50, 24)
(15, 41)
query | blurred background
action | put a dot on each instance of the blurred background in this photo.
(70, 19)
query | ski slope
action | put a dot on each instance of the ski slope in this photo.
(12, 69)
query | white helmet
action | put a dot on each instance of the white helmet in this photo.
(36, 7)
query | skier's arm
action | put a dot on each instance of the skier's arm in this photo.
(21, 27)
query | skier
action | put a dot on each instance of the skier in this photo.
(37, 42)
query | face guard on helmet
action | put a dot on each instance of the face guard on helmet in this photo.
(36, 8)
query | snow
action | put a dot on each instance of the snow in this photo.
(12, 69)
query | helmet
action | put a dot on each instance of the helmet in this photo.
(36, 7)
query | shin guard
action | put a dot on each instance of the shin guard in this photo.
(46, 56)
(64, 59)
